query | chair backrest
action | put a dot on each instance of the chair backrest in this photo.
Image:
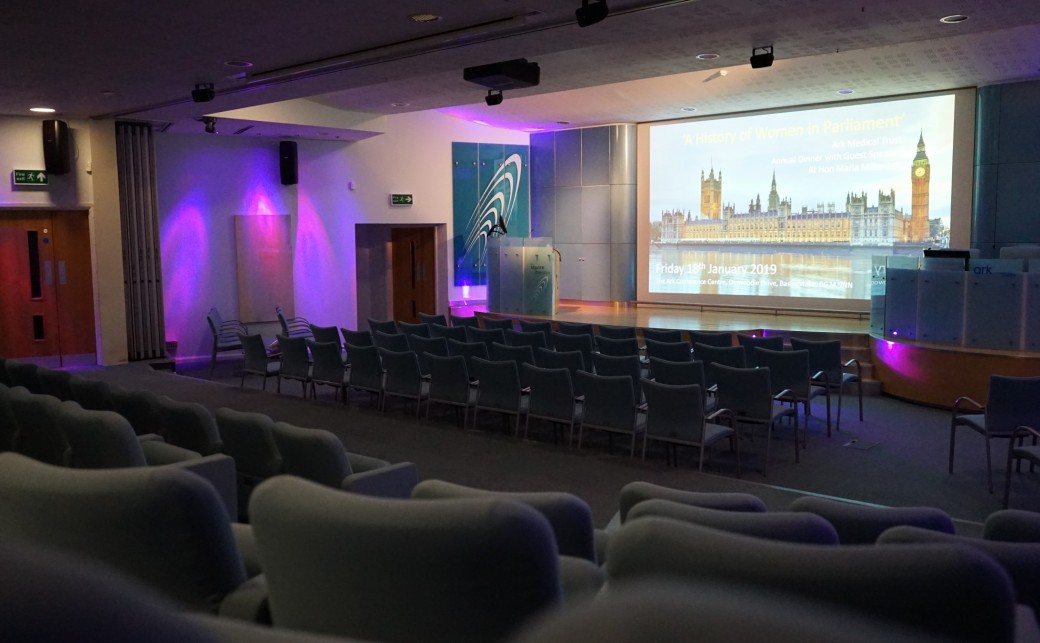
(671, 351)
(408, 328)
(1012, 402)
(8, 421)
(747, 392)
(532, 338)
(139, 407)
(573, 361)
(294, 326)
(485, 335)
(54, 382)
(521, 354)
(580, 342)
(91, 394)
(573, 328)
(449, 377)
(750, 342)
(4, 378)
(943, 589)
(313, 454)
(862, 524)
(458, 333)
(326, 362)
(384, 326)
(552, 393)
(402, 372)
(683, 372)
(787, 526)
(390, 341)
(249, 439)
(732, 356)
(626, 365)
(163, 525)
(325, 334)
(429, 318)
(99, 439)
(366, 370)
(788, 370)
(667, 335)
(431, 345)
(635, 492)
(609, 401)
(615, 332)
(617, 347)
(824, 355)
(468, 350)
(499, 386)
(189, 425)
(460, 570)
(39, 420)
(721, 339)
(491, 322)
(464, 321)
(1012, 525)
(356, 337)
(538, 326)
(674, 410)
(295, 358)
(254, 352)
(569, 516)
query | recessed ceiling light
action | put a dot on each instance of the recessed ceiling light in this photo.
(687, 109)
(955, 18)
(424, 17)
(563, 122)
(42, 110)
(479, 122)
(398, 104)
(107, 92)
(707, 56)
(846, 92)
(238, 64)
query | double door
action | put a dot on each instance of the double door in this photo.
(46, 285)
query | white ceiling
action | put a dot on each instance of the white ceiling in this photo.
(358, 59)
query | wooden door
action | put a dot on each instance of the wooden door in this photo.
(413, 257)
(46, 285)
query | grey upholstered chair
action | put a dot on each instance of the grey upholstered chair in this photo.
(720, 338)
(319, 456)
(54, 382)
(538, 325)
(456, 571)
(140, 408)
(189, 425)
(495, 323)
(292, 326)
(787, 526)
(617, 346)
(464, 321)
(691, 372)
(748, 395)
(635, 492)
(404, 378)
(249, 439)
(8, 420)
(944, 590)
(256, 360)
(325, 334)
(498, 390)
(610, 406)
(1018, 451)
(574, 328)
(366, 371)
(671, 351)
(295, 362)
(408, 329)
(39, 419)
(225, 334)
(450, 383)
(327, 368)
(92, 394)
(1012, 525)
(390, 341)
(551, 398)
(356, 337)
(562, 342)
(675, 416)
(387, 326)
(485, 335)
(862, 524)
(432, 318)
(161, 525)
(573, 361)
(789, 372)
(669, 335)
(458, 333)
(750, 342)
(533, 338)
(615, 332)
(828, 367)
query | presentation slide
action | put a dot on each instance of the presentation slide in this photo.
(797, 203)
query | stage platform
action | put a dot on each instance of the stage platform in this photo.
(930, 374)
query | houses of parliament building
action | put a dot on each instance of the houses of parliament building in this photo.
(858, 224)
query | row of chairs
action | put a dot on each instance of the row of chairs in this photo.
(475, 565)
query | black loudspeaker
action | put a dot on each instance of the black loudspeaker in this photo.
(56, 147)
(287, 162)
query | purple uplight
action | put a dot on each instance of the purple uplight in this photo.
(186, 269)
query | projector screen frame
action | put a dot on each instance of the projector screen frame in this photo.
(962, 194)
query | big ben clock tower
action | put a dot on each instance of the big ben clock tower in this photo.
(920, 174)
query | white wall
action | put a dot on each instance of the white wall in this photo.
(204, 180)
(21, 148)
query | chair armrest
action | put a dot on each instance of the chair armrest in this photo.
(717, 413)
(964, 399)
(157, 452)
(361, 463)
(219, 470)
(601, 539)
(394, 481)
(246, 542)
(581, 578)
(248, 602)
(150, 437)
(786, 395)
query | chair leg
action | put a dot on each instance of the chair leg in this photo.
(989, 466)
(953, 435)
(213, 359)
(841, 396)
(859, 389)
(1007, 474)
(827, 394)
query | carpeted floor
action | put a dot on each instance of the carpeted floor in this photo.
(896, 456)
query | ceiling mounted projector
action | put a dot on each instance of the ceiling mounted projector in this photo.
(203, 93)
(509, 74)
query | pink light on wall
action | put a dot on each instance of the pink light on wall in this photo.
(898, 358)
(187, 269)
(316, 266)
(261, 199)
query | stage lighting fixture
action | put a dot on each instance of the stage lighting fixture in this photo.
(203, 93)
(589, 14)
(764, 59)
(494, 97)
(211, 124)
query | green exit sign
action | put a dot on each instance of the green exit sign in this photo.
(400, 199)
(29, 177)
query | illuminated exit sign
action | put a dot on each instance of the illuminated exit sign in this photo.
(400, 199)
(29, 177)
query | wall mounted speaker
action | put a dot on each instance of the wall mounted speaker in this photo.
(56, 147)
(287, 162)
